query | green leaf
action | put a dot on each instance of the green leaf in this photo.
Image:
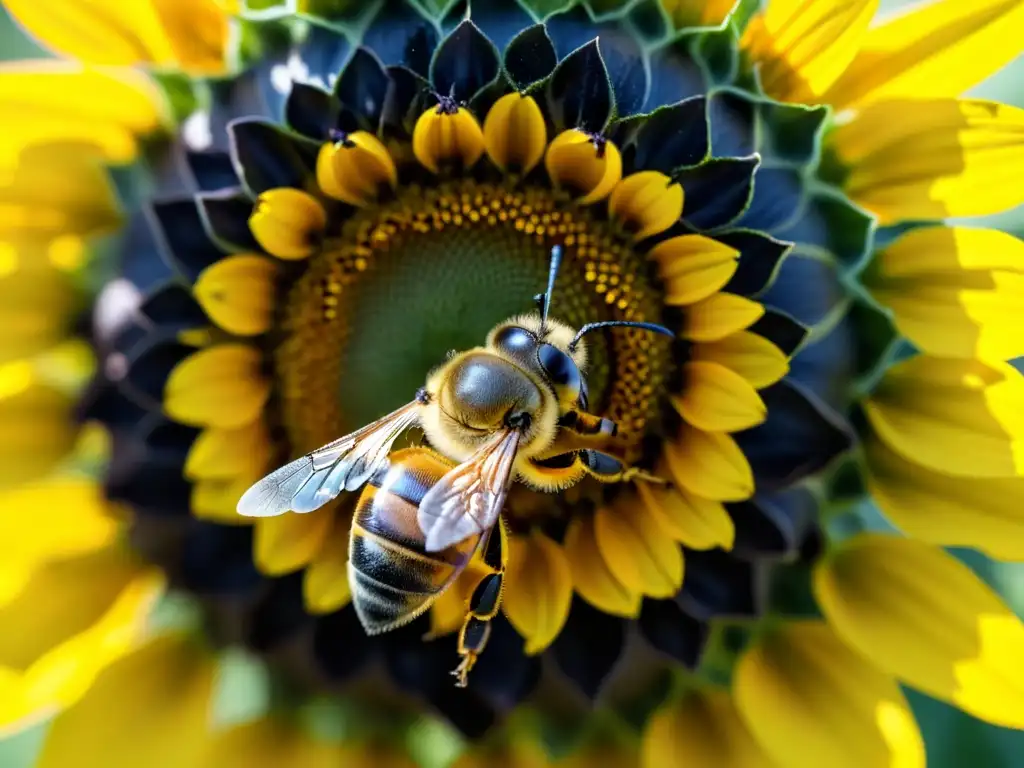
(14, 44)
(20, 751)
(180, 92)
(877, 342)
(954, 739)
(243, 689)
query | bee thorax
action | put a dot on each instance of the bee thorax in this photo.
(482, 391)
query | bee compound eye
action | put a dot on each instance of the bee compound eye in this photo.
(561, 370)
(584, 399)
(514, 339)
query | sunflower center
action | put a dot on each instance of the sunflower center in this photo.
(432, 271)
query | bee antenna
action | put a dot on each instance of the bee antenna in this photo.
(544, 300)
(653, 327)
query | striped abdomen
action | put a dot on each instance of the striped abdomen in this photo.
(393, 578)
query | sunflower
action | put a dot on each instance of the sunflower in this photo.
(235, 232)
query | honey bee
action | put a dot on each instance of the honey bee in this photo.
(515, 408)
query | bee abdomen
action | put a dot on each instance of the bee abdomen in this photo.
(382, 607)
(393, 578)
(399, 567)
(411, 478)
(391, 517)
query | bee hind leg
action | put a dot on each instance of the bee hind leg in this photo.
(473, 639)
(609, 469)
(484, 604)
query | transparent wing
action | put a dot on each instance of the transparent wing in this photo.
(468, 499)
(343, 465)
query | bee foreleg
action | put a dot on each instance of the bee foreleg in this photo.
(578, 430)
(484, 604)
(583, 423)
(609, 469)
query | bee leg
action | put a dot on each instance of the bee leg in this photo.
(583, 423)
(609, 469)
(578, 430)
(473, 639)
(484, 604)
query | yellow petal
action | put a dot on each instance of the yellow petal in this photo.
(698, 523)
(325, 585)
(961, 417)
(519, 752)
(514, 133)
(720, 315)
(646, 203)
(803, 46)
(810, 701)
(61, 103)
(216, 500)
(918, 159)
(78, 521)
(68, 367)
(693, 267)
(955, 291)
(90, 584)
(227, 453)
(717, 399)
(55, 191)
(220, 386)
(443, 138)
(375, 754)
(152, 708)
(636, 548)
(924, 617)
(355, 169)
(709, 464)
(751, 356)
(538, 589)
(187, 34)
(288, 223)
(36, 426)
(67, 253)
(196, 337)
(72, 618)
(591, 167)
(933, 50)
(698, 13)
(960, 322)
(591, 575)
(948, 252)
(987, 514)
(703, 729)
(602, 751)
(238, 293)
(269, 743)
(449, 611)
(288, 542)
(37, 302)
